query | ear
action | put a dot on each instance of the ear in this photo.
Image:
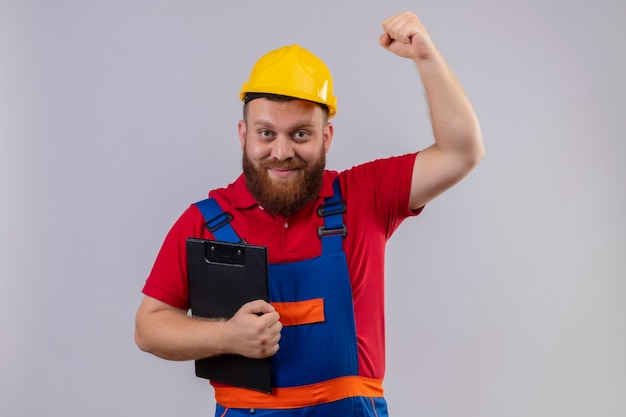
(242, 129)
(329, 131)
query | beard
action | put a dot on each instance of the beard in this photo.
(284, 196)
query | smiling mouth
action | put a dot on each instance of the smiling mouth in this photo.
(282, 172)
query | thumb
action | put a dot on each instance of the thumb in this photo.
(384, 40)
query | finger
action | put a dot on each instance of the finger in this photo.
(257, 307)
(270, 319)
(276, 326)
(401, 27)
(269, 352)
(402, 33)
(392, 24)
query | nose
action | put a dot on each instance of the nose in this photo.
(282, 148)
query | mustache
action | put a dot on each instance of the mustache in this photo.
(289, 164)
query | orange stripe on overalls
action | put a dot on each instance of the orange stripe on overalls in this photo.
(300, 312)
(302, 396)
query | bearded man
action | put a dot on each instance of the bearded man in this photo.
(323, 326)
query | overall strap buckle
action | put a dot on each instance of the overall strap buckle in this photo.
(334, 230)
(218, 221)
(331, 209)
(325, 231)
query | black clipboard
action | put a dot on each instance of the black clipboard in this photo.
(222, 278)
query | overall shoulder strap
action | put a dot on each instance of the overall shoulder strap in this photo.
(334, 229)
(218, 221)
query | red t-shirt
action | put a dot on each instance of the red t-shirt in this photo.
(377, 201)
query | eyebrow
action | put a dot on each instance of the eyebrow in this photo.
(295, 126)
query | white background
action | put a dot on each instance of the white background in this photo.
(506, 297)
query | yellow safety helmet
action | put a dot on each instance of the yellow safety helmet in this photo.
(295, 72)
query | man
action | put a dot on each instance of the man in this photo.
(333, 364)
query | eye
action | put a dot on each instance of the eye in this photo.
(265, 133)
(301, 134)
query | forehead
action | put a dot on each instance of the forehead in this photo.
(262, 110)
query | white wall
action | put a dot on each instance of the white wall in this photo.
(506, 297)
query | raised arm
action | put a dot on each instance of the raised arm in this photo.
(458, 143)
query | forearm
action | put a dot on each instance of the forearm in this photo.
(455, 125)
(171, 334)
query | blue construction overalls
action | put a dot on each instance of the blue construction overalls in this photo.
(315, 372)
